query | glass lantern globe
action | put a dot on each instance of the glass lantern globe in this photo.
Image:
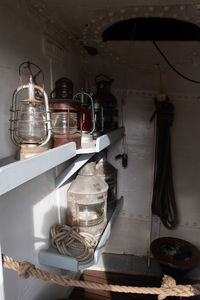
(64, 123)
(30, 125)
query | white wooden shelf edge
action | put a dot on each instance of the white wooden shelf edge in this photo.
(108, 139)
(104, 141)
(51, 256)
(14, 174)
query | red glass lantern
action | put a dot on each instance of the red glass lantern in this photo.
(86, 119)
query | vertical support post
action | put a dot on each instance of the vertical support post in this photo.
(2, 295)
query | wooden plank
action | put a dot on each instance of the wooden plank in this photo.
(114, 278)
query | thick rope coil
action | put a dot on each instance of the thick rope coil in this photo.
(65, 238)
(168, 287)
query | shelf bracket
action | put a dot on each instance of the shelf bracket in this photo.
(72, 169)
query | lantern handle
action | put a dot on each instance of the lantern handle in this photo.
(27, 65)
(92, 104)
(105, 76)
(52, 93)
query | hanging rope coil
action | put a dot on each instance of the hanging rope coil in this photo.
(168, 287)
(65, 238)
(163, 202)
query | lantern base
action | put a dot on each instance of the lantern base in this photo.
(26, 151)
(61, 139)
(87, 140)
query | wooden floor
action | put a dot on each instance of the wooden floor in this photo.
(117, 278)
(114, 278)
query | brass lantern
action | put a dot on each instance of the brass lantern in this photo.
(30, 127)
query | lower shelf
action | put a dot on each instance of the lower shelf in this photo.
(51, 257)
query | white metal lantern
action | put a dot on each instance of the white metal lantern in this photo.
(30, 127)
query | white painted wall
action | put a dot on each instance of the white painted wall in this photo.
(28, 212)
(131, 232)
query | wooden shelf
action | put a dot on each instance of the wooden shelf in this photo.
(14, 173)
(51, 257)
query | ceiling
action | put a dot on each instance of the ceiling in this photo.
(84, 21)
(87, 18)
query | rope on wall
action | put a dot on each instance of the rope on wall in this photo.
(168, 287)
(163, 202)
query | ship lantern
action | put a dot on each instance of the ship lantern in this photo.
(87, 201)
(108, 102)
(86, 119)
(30, 126)
(64, 114)
(108, 173)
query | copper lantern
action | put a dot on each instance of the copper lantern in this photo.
(64, 112)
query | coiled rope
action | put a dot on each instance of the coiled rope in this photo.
(163, 202)
(168, 287)
(65, 238)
